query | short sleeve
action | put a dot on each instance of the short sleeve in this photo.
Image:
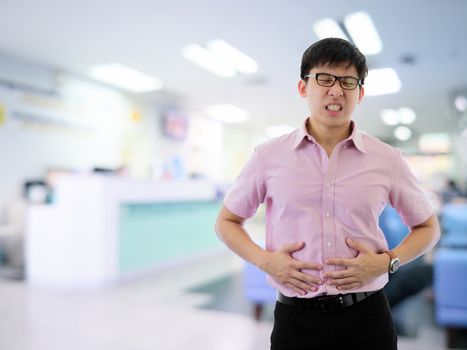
(406, 194)
(248, 190)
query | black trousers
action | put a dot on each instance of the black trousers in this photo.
(365, 325)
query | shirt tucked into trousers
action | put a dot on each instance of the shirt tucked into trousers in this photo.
(323, 200)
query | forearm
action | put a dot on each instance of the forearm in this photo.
(239, 241)
(419, 241)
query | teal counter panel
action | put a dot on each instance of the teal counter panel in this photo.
(150, 234)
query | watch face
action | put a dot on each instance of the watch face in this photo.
(394, 265)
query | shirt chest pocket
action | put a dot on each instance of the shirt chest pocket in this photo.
(363, 202)
(301, 194)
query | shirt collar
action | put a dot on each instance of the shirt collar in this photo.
(302, 133)
(355, 136)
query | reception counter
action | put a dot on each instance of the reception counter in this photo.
(101, 229)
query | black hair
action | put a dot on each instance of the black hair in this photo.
(333, 52)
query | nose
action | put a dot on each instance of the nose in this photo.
(336, 90)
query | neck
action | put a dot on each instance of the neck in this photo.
(328, 136)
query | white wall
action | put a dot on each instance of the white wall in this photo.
(54, 120)
(33, 137)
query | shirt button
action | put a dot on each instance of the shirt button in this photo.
(329, 244)
(329, 183)
(328, 214)
(323, 155)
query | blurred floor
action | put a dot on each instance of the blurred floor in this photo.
(171, 310)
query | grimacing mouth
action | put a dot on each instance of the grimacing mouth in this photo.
(335, 107)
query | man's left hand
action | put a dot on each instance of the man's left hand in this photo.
(359, 270)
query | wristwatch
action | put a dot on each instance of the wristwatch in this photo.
(394, 263)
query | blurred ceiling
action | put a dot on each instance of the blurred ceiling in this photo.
(425, 41)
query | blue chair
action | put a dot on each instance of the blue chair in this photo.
(454, 240)
(454, 224)
(450, 281)
(454, 218)
(392, 226)
(450, 271)
(257, 290)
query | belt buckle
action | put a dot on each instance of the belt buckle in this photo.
(339, 303)
(331, 303)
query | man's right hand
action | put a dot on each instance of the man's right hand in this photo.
(287, 271)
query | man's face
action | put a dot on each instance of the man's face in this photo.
(332, 106)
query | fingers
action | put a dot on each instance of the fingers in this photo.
(292, 273)
(295, 289)
(341, 281)
(311, 280)
(301, 287)
(304, 265)
(300, 282)
(339, 274)
(349, 286)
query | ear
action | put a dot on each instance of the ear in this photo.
(361, 93)
(302, 88)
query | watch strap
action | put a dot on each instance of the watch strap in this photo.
(392, 257)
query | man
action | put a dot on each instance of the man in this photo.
(324, 186)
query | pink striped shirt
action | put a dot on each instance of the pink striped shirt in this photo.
(323, 200)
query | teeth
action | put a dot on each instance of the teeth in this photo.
(334, 107)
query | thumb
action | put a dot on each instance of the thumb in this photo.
(357, 245)
(293, 247)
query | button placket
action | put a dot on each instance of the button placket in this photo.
(329, 248)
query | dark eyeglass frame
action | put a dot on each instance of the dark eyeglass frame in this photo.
(335, 78)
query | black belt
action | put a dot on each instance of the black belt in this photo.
(326, 302)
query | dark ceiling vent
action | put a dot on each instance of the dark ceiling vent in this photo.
(408, 59)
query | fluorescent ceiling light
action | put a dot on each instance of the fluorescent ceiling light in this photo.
(228, 113)
(241, 62)
(403, 133)
(403, 115)
(406, 115)
(461, 103)
(125, 78)
(390, 117)
(382, 81)
(208, 61)
(278, 130)
(363, 33)
(328, 28)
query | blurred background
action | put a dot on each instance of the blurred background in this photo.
(122, 125)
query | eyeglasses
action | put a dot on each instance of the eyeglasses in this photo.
(328, 80)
